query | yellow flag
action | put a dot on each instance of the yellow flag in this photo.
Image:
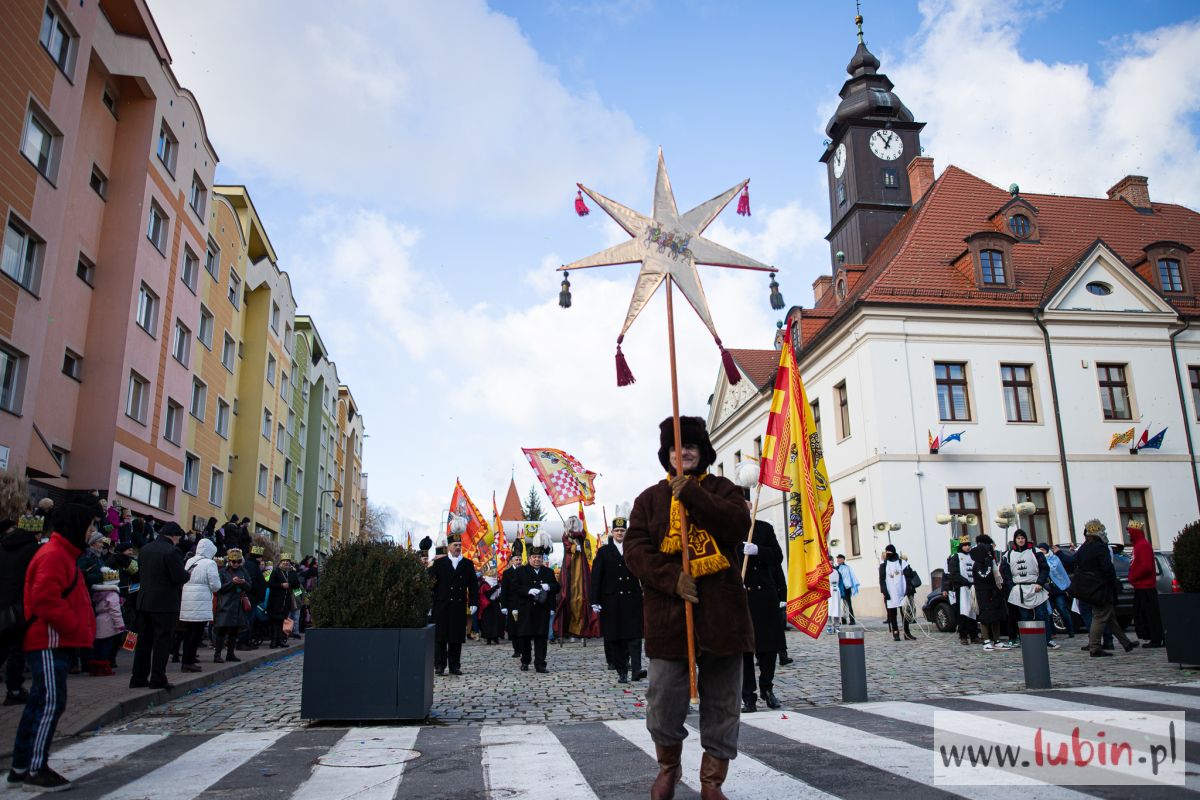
(793, 461)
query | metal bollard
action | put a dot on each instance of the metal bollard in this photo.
(854, 666)
(1035, 654)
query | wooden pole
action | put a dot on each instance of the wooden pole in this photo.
(750, 535)
(683, 520)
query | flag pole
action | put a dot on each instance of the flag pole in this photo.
(683, 520)
(750, 535)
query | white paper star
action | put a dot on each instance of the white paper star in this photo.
(668, 245)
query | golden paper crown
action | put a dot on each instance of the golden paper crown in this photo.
(1135, 525)
(1093, 526)
(256, 550)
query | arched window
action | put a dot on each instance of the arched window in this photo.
(991, 268)
(1019, 225)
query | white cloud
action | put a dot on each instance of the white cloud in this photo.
(1054, 127)
(442, 105)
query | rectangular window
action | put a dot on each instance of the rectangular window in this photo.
(62, 457)
(197, 196)
(1017, 380)
(173, 426)
(283, 384)
(168, 147)
(1194, 379)
(851, 508)
(216, 487)
(266, 424)
(228, 352)
(283, 524)
(815, 405)
(23, 252)
(303, 433)
(141, 487)
(991, 267)
(1131, 504)
(275, 317)
(287, 471)
(138, 398)
(277, 491)
(109, 98)
(191, 474)
(222, 418)
(271, 369)
(85, 270)
(58, 39)
(99, 182)
(1037, 524)
(12, 380)
(147, 310)
(953, 402)
(1114, 391)
(235, 289)
(41, 143)
(181, 348)
(841, 194)
(891, 178)
(1170, 278)
(212, 260)
(199, 399)
(156, 227)
(73, 365)
(843, 401)
(291, 422)
(191, 268)
(966, 502)
(279, 442)
(205, 335)
(262, 479)
(299, 478)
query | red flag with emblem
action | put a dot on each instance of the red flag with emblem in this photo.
(563, 477)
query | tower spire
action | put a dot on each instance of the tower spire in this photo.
(858, 20)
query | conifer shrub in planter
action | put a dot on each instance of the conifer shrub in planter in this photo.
(369, 655)
(1181, 610)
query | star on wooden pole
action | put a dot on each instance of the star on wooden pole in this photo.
(669, 246)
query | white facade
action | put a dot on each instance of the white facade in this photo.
(886, 358)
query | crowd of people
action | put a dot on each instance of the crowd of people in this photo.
(81, 583)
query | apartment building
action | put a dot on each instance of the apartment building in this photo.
(349, 461)
(320, 495)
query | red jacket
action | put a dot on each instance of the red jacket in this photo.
(1141, 569)
(58, 621)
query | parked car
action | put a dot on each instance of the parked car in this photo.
(937, 609)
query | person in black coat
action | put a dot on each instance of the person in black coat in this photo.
(617, 598)
(534, 591)
(509, 608)
(257, 592)
(989, 596)
(1095, 582)
(765, 558)
(958, 583)
(16, 551)
(279, 600)
(162, 573)
(455, 586)
(230, 609)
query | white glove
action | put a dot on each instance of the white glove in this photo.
(783, 603)
(533, 592)
(504, 611)
(473, 609)
(596, 609)
(750, 549)
(545, 587)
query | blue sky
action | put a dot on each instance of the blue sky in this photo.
(415, 165)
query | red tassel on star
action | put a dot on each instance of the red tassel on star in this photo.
(581, 207)
(732, 373)
(624, 374)
(744, 201)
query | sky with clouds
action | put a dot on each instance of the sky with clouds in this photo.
(415, 164)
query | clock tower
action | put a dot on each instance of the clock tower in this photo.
(872, 139)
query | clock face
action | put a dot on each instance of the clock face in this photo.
(887, 145)
(839, 160)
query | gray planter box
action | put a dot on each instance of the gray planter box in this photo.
(1181, 623)
(367, 673)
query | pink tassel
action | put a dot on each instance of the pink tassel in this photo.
(581, 207)
(744, 201)
(624, 375)
(731, 371)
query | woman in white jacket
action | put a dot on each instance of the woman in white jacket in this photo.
(196, 610)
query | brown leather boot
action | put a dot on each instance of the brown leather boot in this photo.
(669, 771)
(712, 774)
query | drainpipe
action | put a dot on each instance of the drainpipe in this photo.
(1062, 448)
(1187, 424)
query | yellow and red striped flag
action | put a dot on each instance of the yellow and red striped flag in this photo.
(793, 461)
(503, 551)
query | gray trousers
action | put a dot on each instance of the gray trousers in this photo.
(1104, 617)
(719, 684)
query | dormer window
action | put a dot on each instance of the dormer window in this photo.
(839, 289)
(991, 268)
(1170, 277)
(1019, 225)
(991, 253)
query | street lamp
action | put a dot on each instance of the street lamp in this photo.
(321, 512)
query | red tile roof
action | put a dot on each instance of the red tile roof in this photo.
(759, 366)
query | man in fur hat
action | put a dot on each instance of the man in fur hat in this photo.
(455, 586)
(617, 598)
(717, 521)
(534, 589)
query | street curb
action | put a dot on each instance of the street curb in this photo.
(183, 686)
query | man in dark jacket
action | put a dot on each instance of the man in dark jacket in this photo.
(617, 598)
(257, 591)
(1095, 582)
(717, 521)
(763, 558)
(991, 610)
(507, 600)
(16, 551)
(959, 581)
(162, 573)
(534, 592)
(455, 586)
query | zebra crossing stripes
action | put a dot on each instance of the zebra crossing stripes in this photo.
(194, 771)
(88, 755)
(754, 780)
(518, 758)
(366, 764)
(1179, 700)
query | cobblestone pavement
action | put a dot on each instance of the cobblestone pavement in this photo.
(580, 689)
